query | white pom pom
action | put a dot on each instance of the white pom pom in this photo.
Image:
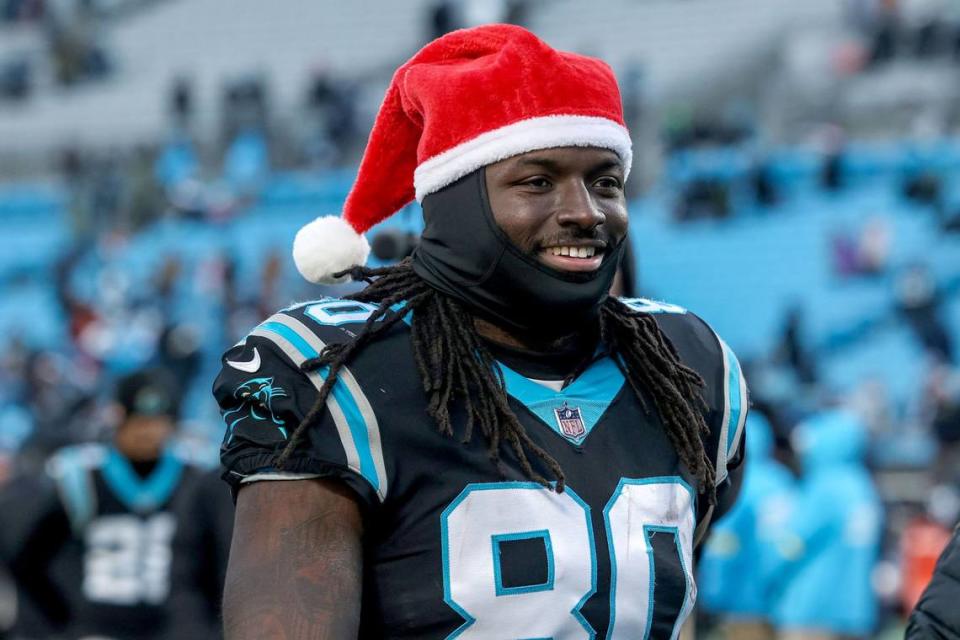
(327, 246)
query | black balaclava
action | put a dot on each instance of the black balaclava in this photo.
(466, 255)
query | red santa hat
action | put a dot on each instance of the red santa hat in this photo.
(466, 100)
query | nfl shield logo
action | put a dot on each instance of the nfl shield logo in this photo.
(570, 421)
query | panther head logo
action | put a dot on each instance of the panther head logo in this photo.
(256, 397)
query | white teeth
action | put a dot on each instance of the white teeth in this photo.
(573, 252)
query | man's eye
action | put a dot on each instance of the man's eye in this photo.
(608, 182)
(539, 183)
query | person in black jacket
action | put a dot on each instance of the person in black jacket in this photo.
(937, 615)
(90, 544)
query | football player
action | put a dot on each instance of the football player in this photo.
(90, 546)
(482, 443)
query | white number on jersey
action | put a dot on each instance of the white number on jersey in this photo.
(637, 508)
(128, 559)
(337, 312)
(485, 514)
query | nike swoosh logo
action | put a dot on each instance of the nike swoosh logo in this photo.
(250, 366)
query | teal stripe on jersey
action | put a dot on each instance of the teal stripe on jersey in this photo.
(736, 401)
(355, 419)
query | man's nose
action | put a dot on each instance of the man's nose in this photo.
(577, 206)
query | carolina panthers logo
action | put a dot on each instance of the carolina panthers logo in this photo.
(256, 397)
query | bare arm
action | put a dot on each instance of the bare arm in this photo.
(296, 561)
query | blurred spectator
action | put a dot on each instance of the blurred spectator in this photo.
(245, 107)
(918, 299)
(144, 201)
(870, 401)
(942, 409)
(442, 18)
(75, 47)
(332, 120)
(477, 12)
(165, 282)
(924, 188)
(793, 350)
(179, 352)
(831, 173)
(950, 221)
(22, 10)
(247, 162)
(735, 568)
(16, 78)
(90, 545)
(925, 22)
(181, 103)
(704, 198)
(270, 295)
(516, 12)
(826, 552)
(106, 191)
(873, 248)
(846, 260)
(885, 31)
(866, 253)
(74, 171)
(62, 404)
(763, 186)
(177, 163)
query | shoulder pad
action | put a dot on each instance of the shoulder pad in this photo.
(87, 456)
(652, 306)
(71, 468)
(332, 312)
(703, 349)
(325, 321)
(730, 390)
(264, 372)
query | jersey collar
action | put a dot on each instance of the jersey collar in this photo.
(572, 412)
(142, 494)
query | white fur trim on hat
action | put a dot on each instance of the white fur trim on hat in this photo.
(327, 246)
(545, 132)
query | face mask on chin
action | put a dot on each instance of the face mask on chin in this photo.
(464, 254)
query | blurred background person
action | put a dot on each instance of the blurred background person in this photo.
(90, 546)
(736, 564)
(829, 546)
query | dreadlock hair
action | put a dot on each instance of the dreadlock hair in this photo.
(455, 365)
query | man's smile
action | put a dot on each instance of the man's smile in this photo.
(579, 256)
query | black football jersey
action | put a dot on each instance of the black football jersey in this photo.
(456, 546)
(100, 543)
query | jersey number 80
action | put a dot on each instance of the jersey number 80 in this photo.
(485, 515)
